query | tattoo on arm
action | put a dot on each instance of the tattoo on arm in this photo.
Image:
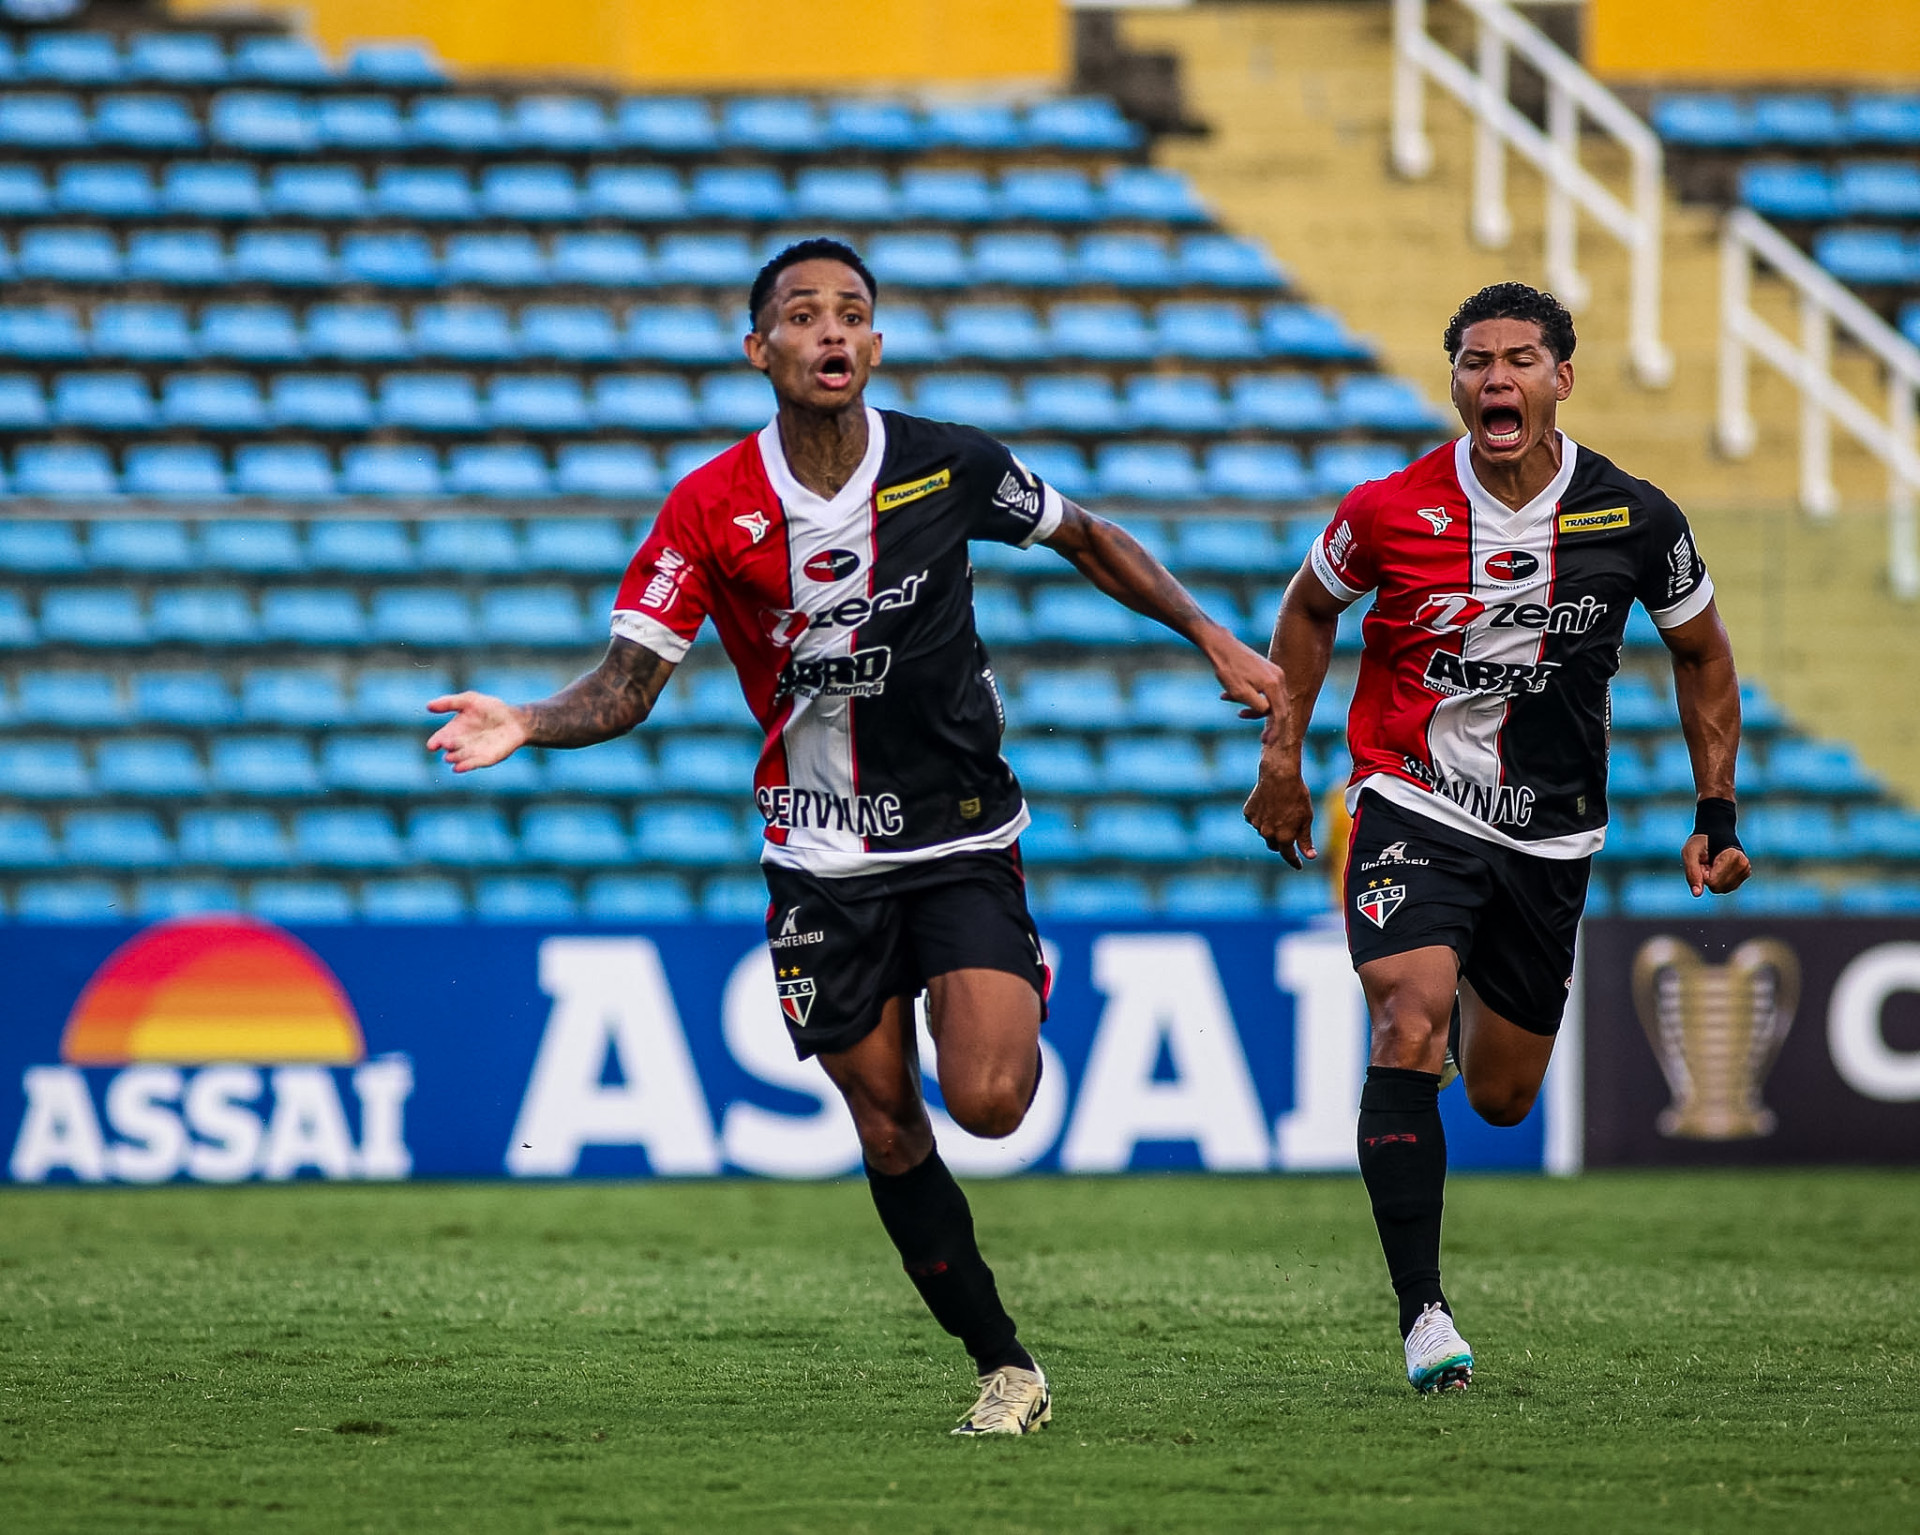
(609, 701)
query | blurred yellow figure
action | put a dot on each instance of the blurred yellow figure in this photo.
(1339, 831)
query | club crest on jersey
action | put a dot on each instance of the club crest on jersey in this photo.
(899, 495)
(831, 564)
(755, 523)
(1511, 565)
(796, 993)
(1595, 522)
(1437, 518)
(1380, 901)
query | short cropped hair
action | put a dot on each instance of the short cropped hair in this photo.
(1515, 301)
(817, 249)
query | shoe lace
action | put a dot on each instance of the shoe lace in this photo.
(996, 1402)
(1433, 1317)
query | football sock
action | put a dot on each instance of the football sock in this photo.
(927, 1216)
(1403, 1161)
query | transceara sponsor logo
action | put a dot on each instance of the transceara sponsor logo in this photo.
(1595, 522)
(899, 495)
(865, 815)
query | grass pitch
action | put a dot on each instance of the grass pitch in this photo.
(1694, 1352)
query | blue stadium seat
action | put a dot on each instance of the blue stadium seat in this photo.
(312, 616)
(539, 193)
(70, 254)
(107, 188)
(317, 191)
(539, 402)
(469, 332)
(567, 123)
(348, 839)
(912, 337)
(705, 260)
(1054, 195)
(919, 260)
(575, 836)
(1385, 404)
(40, 547)
(700, 764)
(1249, 471)
(1780, 897)
(1167, 764)
(212, 189)
(23, 405)
(367, 123)
(1071, 402)
(217, 402)
(1301, 330)
(298, 696)
(1136, 833)
(1789, 190)
(1004, 332)
(1213, 330)
(1022, 260)
(1125, 260)
(637, 898)
(1082, 123)
(264, 122)
(694, 835)
(1800, 119)
(467, 838)
(685, 457)
(507, 260)
(396, 64)
(657, 402)
(372, 547)
(149, 766)
(265, 545)
(401, 259)
(1214, 897)
(711, 698)
(43, 120)
(1868, 256)
(578, 332)
(649, 194)
(44, 769)
(1175, 402)
(1281, 402)
(23, 192)
(999, 616)
(430, 402)
(284, 258)
(1879, 898)
(740, 402)
(620, 766)
(1184, 700)
(734, 898)
(16, 623)
(973, 125)
(73, 58)
(465, 124)
(1228, 261)
(413, 900)
(1339, 466)
(1051, 836)
(144, 543)
(250, 333)
(182, 698)
(1221, 831)
(1628, 777)
(1703, 121)
(1818, 767)
(1079, 615)
(70, 900)
(202, 615)
(1240, 545)
(739, 192)
(499, 470)
(149, 332)
(105, 401)
(527, 899)
(270, 766)
(602, 260)
(845, 194)
(69, 698)
(294, 902)
(1876, 189)
(1887, 118)
(155, 900)
(668, 124)
(425, 615)
(1147, 471)
(1776, 831)
(679, 333)
(985, 400)
(1109, 331)
(608, 469)
(280, 60)
(398, 697)
(861, 123)
(145, 120)
(429, 192)
(1151, 194)
(586, 545)
(357, 332)
(780, 125)
(1883, 832)
(26, 842)
(1093, 898)
(328, 402)
(178, 58)
(176, 472)
(63, 472)
(116, 839)
(947, 196)
(375, 764)
(41, 331)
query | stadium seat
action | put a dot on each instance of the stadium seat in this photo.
(297, 901)
(309, 615)
(303, 696)
(1883, 119)
(1061, 465)
(431, 193)
(108, 189)
(602, 260)
(357, 333)
(620, 766)
(70, 900)
(1065, 897)
(328, 402)
(1300, 330)
(1052, 766)
(648, 194)
(1789, 190)
(1147, 471)
(16, 623)
(284, 471)
(536, 899)
(984, 400)
(576, 332)
(734, 898)
(860, 123)
(467, 838)
(666, 124)
(1339, 466)
(105, 401)
(779, 125)
(1071, 402)
(565, 123)
(635, 898)
(845, 194)
(375, 764)
(34, 769)
(1703, 121)
(1151, 194)
(1878, 898)
(1214, 897)
(69, 698)
(213, 402)
(745, 193)
(1227, 261)
(574, 836)
(280, 60)
(740, 402)
(396, 64)
(26, 841)
(701, 764)
(1803, 120)
(1883, 832)
(201, 615)
(365, 123)
(269, 546)
(1384, 404)
(63, 472)
(539, 402)
(1081, 123)
(999, 616)
(973, 125)
(1165, 764)
(1175, 402)
(534, 616)
(611, 470)
(430, 402)
(1079, 615)
(1176, 700)
(145, 120)
(212, 189)
(175, 472)
(156, 900)
(1021, 260)
(947, 196)
(390, 470)
(145, 543)
(115, 839)
(706, 260)
(693, 835)
(536, 193)
(919, 260)
(1003, 332)
(398, 697)
(1818, 767)
(148, 767)
(395, 260)
(1876, 189)
(682, 333)
(1053, 195)
(507, 260)
(412, 900)
(178, 58)
(70, 254)
(73, 58)
(583, 545)
(264, 122)
(40, 547)
(1126, 261)
(1868, 256)
(424, 615)
(23, 192)
(250, 333)
(1221, 831)
(285, 258)
(1108, 331)
(1249, 471)
(182, 698)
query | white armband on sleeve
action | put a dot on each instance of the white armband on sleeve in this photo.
(1323, 568)
(1052, 509)
(651, 633)
(1690, 606)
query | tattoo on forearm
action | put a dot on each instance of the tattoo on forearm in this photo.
(609, 701)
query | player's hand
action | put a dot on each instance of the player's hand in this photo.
(1281, 810)
(1249, 679)
(1728, 873)
(484, 730)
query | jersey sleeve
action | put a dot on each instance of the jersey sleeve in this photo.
(1344, 557)
(1018, 507)
(664, 596)
(1674, 584)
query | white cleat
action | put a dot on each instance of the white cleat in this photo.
(1438, 1358)
(1012, 1401)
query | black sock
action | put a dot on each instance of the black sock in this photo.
(927, 1216)
(1403, 1160)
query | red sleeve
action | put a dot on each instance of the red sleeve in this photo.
(1344, 557)
(664, 595)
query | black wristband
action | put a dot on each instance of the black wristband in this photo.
(1714, 818)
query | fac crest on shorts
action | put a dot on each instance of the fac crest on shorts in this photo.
(796, 995)
(1380, 901)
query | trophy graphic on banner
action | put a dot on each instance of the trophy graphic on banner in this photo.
(1716, 1031)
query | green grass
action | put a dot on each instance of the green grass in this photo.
(1712, 1352)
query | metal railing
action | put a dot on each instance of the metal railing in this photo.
(1748, 242)
(1572, 94)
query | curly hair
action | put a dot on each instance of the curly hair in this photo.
(1515, 301)
(807, 250)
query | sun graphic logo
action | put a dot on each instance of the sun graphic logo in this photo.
(216, 1049)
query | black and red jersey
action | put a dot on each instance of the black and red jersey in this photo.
(1482, 700)
(850, 623)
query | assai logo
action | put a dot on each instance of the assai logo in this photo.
(214, 1049)
(1511, 565)
(831, 564)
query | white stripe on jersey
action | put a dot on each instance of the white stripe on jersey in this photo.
(819, 733)
(1463, 737)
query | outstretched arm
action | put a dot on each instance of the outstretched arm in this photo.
(1281, 807)
(1112, 559)
(609, 701)
(1708, 692)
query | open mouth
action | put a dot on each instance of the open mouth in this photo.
(1501, 427)
(835, 372)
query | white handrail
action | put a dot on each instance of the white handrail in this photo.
(1571, 94)
(1748, 242)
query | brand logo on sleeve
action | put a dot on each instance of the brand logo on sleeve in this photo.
(1339, 543)
(1680, 566)
(1594, 522)
(669, 570)
(831, 564)
(1511, 565)
(899, 495)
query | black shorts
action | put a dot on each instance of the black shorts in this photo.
(842, 947)
(1511, 918)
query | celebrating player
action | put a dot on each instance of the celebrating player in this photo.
(830, 550)
(1503, 566)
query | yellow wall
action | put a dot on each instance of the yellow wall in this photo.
(722, 42)
(1757, 41)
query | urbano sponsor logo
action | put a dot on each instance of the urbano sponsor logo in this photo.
(865, 815)
(234, 1053)
(860, 675)
(1511, 565)
(831, 564)
(1456, 676)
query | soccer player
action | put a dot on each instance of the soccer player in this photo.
(830, 550)
(1503, 566)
